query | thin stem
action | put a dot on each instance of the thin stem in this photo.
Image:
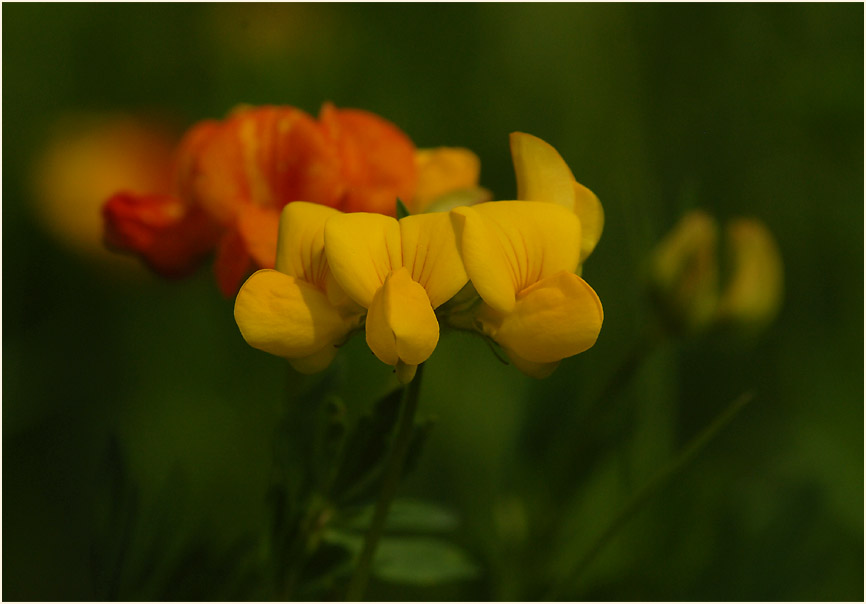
(603, 422)
(654, 485)
(390, 480)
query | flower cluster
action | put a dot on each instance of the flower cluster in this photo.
(232, 178)
(505, 269)
(685, 275)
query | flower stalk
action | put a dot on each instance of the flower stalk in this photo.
(390, 480)
(656, 483)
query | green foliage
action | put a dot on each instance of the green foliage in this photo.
(422, 561)
(414, 560)
(327, 476)
(410, 516)
(413, 550)
(139, 552)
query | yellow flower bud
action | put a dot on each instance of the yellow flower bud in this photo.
(684, 273)
(753, 295)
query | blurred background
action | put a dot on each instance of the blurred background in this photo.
(742, 110)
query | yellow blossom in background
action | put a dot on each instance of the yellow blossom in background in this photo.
(754, 292)
(401, 272)
(86, 160)
(684, 273)
(297, 310)
(687, 284)
(447, 178)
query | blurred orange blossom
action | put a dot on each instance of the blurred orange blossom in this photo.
(232, 178)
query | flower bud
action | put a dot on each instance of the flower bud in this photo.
(684, 274)
(753, 294)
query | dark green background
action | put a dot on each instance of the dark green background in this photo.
(739, 109)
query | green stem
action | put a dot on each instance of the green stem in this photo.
(604, 422)
(390, 480)
(654, 485)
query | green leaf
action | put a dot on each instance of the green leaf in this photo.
(421, 561)
(420, 516)
(402, 210)
(409, 516)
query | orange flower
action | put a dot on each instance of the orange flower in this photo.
(377, 159)
(252, 165)
(232, 179)
(170, 233)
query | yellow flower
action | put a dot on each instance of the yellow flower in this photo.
(542, 175)
(754, 292)
(298, 311)
(335, 271)
(400, 272)
(447, 178)
(685, 275)
(521, 258)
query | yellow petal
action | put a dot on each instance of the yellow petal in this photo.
(754, 294)
(405, 373)
(362, 250)
(286, 316)
(380, 336)
(316, 362)
(401, 324)
(443, 170)
(431, 256)
(684, 272)
(536, 370)
(542, 175)
(591, 214)
(301, 244)
(507, 246)
(556, 318)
